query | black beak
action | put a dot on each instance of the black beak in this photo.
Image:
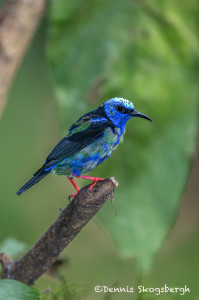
(140, 115)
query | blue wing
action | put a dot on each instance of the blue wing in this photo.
(82, 133)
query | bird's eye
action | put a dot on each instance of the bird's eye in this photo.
(120, 108)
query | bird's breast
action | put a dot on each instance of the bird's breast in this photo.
(111, 139)
(92, 155)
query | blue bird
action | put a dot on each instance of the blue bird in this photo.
(90, 141)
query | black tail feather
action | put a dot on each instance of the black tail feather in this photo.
(32, 181)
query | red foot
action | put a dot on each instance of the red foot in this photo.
(71, 196)
(94, 179)
(75, 186)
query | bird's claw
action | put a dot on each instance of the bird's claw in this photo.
(90, 188)
(88, 191)
(94, 183)
(70, 197)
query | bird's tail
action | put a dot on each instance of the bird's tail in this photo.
(36, 178)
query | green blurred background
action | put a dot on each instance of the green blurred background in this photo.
(146, 51)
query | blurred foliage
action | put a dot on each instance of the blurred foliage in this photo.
(12, 247)
(16, 290)
(66, 291)
(145, 51)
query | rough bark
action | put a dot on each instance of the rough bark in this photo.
(69, 223)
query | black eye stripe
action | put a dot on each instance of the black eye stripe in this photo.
(122, 109)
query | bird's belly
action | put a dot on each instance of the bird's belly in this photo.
(89, 157)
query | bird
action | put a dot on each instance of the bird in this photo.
(89, 142)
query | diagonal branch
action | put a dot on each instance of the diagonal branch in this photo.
(18, 22)
(69, 223)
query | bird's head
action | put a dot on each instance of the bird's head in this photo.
(120, 110)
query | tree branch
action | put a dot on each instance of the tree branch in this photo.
(69, 223)
(18, 22)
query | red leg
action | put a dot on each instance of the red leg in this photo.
(75, 186)
(94, 179)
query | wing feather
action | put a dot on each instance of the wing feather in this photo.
(86, 130)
